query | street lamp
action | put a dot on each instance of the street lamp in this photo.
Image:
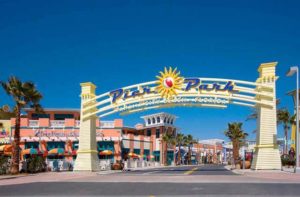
(291, 72)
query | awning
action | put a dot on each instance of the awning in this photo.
(133, 155)
(30, 151)
(106, 152)
(2, 148)
(56, 151)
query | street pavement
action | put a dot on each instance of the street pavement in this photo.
(181, 170)
(205, 180)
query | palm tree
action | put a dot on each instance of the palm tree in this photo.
(179, 140)
(24, 95)
(235, 133)
(189, 141)
(168, 140)
(286, 119)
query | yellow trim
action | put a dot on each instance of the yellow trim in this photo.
(88, 84)
(87, 151)
(266, 65)
(266, 146)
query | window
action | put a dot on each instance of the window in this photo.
(158, 119)
(157, 133)
(35, 116)
(63, 116)
(52, 145)
(165, 120)
(153, 120)
(156, 155)
(171, 121)
(149, 121)
(148, 132)
(168, 121)
(32, 145)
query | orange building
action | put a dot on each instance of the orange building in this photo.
(55, 134)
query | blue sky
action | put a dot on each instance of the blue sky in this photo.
(59, 44)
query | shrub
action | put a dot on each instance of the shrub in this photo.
(36, 164)
(4, 165)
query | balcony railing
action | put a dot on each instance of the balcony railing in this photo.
(77, 123)
(107, 124)
(57, 123)
(33, 123)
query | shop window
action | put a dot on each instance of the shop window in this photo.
(156, 155)
(52, 145)
(137, 151)
(157, 133)
(148, 132)
(32, 145)
(75, 145)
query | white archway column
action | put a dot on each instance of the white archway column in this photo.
(87, 158)
(267, 155)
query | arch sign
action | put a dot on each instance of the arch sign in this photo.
(170, 89)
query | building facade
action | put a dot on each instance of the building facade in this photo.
(55, 134)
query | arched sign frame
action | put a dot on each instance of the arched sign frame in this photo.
(192, 91)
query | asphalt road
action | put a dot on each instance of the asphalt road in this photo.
(90, 187)
(149, 189)
(182, 170)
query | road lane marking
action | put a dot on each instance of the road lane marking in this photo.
(190, 171)
(150, 172)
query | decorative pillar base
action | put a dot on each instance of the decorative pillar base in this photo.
(266, 158)
(87, 161)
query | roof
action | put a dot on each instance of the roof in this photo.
(54, 109)
(157, 114)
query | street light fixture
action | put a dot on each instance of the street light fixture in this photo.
(291, 72)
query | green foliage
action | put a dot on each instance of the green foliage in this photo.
(24, 95)
(36, 164)
(287, 161)
(236, 135)
(4, 165)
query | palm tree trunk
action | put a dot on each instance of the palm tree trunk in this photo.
(235, 150)
(189, 156)
(165, 153)
(16, 144)
(179, 155)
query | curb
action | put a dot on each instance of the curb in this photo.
(15, 176)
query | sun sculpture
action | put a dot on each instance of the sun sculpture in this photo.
(169, 82)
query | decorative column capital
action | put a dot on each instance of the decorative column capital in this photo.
(267, 72)
(88, 90)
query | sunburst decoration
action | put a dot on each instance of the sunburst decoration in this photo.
(169, 82)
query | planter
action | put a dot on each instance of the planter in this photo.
(117, 166)
(247, 164)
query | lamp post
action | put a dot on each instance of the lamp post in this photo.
(291, 72)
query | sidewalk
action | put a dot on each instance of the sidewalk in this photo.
(287, 174)
(4, 177)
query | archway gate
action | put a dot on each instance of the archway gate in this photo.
(171, 90)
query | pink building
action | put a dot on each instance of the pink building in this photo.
(56, 132)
